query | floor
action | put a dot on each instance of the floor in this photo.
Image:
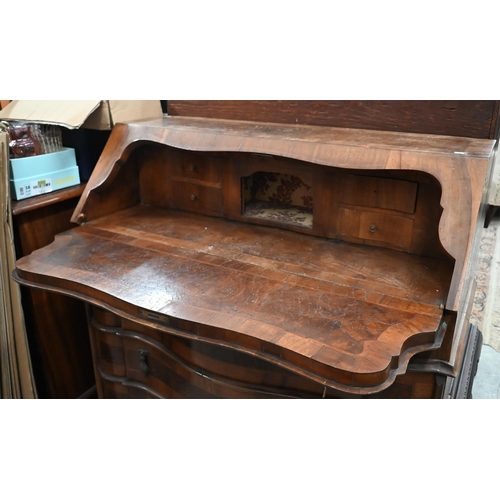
(487, 381)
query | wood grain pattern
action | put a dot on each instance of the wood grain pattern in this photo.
(136, 361)
(342, 303)
(331, 309)
(56, 325)
(45, 200)
(461, 166)
(395, 231)
(379, 192)
(477, 119)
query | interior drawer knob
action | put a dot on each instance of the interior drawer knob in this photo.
(193, 197)
(373, 228)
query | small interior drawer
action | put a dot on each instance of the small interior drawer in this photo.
(195, 197)
(379, 192)
(197, 169)
(393, 231)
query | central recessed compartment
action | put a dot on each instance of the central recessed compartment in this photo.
(276, 197)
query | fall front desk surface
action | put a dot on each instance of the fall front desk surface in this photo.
(317, 307)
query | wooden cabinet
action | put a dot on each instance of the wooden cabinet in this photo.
(56, 325)
(217, 258)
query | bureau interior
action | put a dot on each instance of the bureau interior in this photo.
(395, 209)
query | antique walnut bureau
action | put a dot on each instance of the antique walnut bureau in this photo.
(241, 258)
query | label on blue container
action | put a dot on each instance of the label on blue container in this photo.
(25, 191)
(41, 186)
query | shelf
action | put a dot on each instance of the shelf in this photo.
(44, 200)
(284, 214)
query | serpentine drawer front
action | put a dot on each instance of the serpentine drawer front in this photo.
(136, 360)
(222, 259)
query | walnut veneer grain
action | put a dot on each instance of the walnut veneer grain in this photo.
(338, 307)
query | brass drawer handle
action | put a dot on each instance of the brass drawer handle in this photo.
(192, 168)
(193, 197)
(373, 228)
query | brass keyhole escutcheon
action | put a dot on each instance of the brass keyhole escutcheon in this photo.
(373, 228)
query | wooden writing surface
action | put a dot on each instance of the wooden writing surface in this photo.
(330, 307)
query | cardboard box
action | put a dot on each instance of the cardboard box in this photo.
(86, 125)
(96, 115)
(41, 174)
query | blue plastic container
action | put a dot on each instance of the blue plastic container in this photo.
(43, 173)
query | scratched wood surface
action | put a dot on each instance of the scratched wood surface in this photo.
(460, 164)
(335, 310)
(346, 316)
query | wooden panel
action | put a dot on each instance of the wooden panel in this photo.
(388, 230)
(195, 197)
(415, 386)
(152, 363)
(253, 287)
(156, 168)
(118, 390)
(46, 200)
(56, 325)
(174, 367)
(168, 178)
(476, 119)
(109, 352)
(379, 192)
(188, 166)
